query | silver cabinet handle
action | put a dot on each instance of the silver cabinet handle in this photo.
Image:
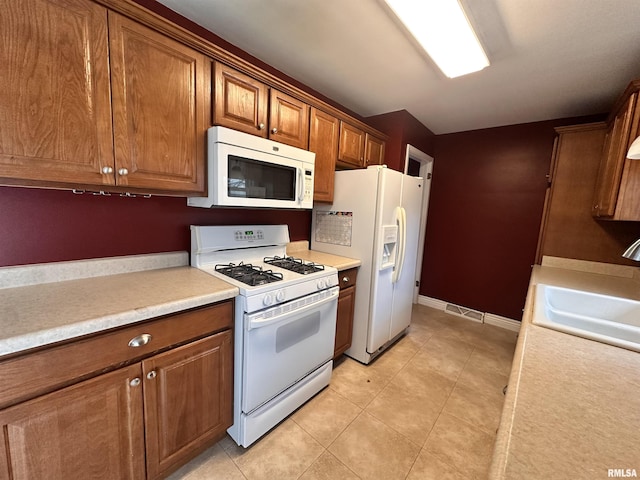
(151, 375)
(274, 130)
(345, 279)
(135, 382)
(261, 126)
(123, 172)
(107, 170)
(140, 341)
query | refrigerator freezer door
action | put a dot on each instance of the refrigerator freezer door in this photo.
(403, 288)
(334, 231)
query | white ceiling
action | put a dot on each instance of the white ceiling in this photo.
(549, 58)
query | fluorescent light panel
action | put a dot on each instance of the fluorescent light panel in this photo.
(444, 31)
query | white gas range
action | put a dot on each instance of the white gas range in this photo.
(285, 319)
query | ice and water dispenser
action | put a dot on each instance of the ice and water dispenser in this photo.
(389, 246)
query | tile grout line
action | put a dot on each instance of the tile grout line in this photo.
(438, 417)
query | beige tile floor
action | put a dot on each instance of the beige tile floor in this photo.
(427, 408)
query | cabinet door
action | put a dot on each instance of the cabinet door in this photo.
(188, 394)
(346, 305)
(240, 101)
(90, 430)
(288, 120)
(612, 163)
(344, 321)
(55, 111)
(351, 151)
(161, 108)
(373, 150)
(323, 141)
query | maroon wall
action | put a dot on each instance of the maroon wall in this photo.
(402, 128)
(487, 197)
(52, 225)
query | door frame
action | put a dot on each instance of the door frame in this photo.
(426, 170)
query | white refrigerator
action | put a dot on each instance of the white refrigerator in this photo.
(374, 217)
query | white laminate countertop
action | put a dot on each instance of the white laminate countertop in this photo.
(572, 408)
(33, 315)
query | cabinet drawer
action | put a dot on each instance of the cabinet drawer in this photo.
(36, 373)
(347, 278)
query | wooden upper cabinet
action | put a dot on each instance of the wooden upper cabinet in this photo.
(240, 102)
(55, 113)
(93, 429)
(71, 70)
(323, 141)
(373, 150)
(246, 104)
(617, 192)
(161, 109)
(351, 150)
(288, 120)
(613, 157)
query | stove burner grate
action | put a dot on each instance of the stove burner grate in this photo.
(293, 264)
(247, 273)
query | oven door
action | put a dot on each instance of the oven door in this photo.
(285, 343)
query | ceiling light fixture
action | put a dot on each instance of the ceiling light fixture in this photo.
(443, 30)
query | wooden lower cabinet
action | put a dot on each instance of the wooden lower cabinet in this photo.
(91, 430)
(346, 305)
(140, 421)
(188, 401)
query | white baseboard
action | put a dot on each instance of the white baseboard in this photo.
(502, 322)
(489, 318)
(431, 302)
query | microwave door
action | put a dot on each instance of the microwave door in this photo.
(248, 171)
(257, 179)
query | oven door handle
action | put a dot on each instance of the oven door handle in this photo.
(265, 322)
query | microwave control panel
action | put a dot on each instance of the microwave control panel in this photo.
(308, 185)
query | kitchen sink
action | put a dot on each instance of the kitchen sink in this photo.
(603, 318)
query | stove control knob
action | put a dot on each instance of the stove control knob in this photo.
(322, 283)
(280, 296)
(268, 299)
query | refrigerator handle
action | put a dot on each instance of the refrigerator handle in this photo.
(401, 218)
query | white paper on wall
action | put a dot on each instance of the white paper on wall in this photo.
(334, 227)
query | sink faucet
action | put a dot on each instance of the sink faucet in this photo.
(633, 252)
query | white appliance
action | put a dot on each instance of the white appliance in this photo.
(374, 217)
(285, 321)
(248, 171)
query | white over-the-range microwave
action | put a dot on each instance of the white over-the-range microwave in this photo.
(248, 171)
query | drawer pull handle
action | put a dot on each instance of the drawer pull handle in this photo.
(135, 382)
(151, 375)
(140, 341)
(345, 279)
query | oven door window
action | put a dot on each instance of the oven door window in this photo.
(283, 351)
(250, 178)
